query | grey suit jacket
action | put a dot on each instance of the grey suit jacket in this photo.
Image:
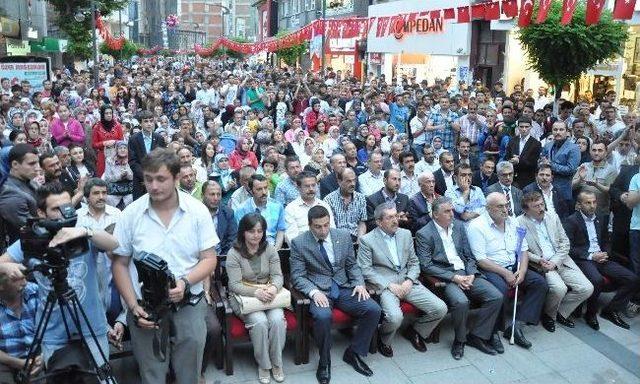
(516, 195)
(377, 266)
(557, 236)
(433, 258)
(309, 271)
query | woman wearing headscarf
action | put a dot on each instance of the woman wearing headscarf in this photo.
(318, 164)
(223, 175)
(106, 133)
(331, 142)
(243, 155)
(16, 119)
(313, 115)
(298, 143)
(119, 176)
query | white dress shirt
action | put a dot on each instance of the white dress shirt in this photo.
(448, 179)
(422, 166)
(295, 216)
(370, 183)
(449, 246)
(409, 185)
(522, 143)
(487, 241)
(190, 231)
(504, 189)
(594, 246)
(544, 239)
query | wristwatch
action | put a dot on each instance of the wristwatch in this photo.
(187, 284)
(89, 232)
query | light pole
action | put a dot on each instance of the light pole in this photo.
(95, 44)
(324, 30)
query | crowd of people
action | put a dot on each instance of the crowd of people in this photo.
(375, 185)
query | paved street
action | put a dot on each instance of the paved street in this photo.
(576, 356)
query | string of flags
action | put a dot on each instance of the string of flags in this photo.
(360, 27)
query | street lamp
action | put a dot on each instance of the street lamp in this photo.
(80, 17)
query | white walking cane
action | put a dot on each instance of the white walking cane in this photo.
(521, 232)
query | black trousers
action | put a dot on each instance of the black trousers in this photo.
(625, 280)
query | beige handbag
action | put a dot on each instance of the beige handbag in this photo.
(244, 305)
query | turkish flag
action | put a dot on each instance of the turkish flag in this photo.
(594, 10)
(568, 7)
(463, 15)
(477, 11)
(434, 14)
(492, 11)
(449, 13)
(526, 12)
(623, 10)
(543, 11)
(510, 8)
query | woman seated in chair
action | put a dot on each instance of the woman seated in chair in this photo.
(253, 267)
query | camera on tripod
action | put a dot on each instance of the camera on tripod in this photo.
(37, 233)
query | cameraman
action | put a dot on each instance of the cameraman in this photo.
(82, 275)
(179, 229)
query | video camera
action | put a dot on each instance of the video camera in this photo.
(37, 233)
(156, 279)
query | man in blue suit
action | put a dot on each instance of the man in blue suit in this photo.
(324, 268)
(564, 157)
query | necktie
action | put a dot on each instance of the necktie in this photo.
(335, 290)
(508, 196)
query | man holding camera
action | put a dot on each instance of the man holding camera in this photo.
(177, 228)
(54, 204)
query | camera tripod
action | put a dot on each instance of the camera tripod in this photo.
(67, 299)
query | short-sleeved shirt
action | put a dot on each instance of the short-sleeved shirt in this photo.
(82, 278)
(605, 175)
(17, 332)
(348, 216)
(489, 242)
(634, 185)
(190, 231)
(272, 212)
(286, 191)
(446, 134)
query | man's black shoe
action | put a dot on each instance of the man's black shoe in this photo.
(548, 323)
(592, 321)
(323, 374)
(416, 340)
(481, 345)
(384, 349)
(615, 318)
(457, 350)
(356, 362)
(566, 322)
(496, 343)
(518, 337)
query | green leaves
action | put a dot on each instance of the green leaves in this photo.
(560, 54)
(290, 55)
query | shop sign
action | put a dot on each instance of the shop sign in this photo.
(33, 69)
(9, 27)
(402, 27)
(375, 58)
(17, 47)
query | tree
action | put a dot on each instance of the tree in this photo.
(561, 53)
(128, 50)
(291, 55)
(79, 33)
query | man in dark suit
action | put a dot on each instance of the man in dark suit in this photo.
(444, 175)
(443, 249)
(523, 152)
(485, 176)
(140, 144)
(588, 236)
(621, 213)
(324, 268)
(463, 154)
(420, 204)
(223, 220)
(505, 186)
(544, 184)
(389, 192)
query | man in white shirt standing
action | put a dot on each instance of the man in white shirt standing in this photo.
(296, 212)
(177, 228)
(444, 253)
(428, 162)
(372, 180)
(493, 240)
(418, 127)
